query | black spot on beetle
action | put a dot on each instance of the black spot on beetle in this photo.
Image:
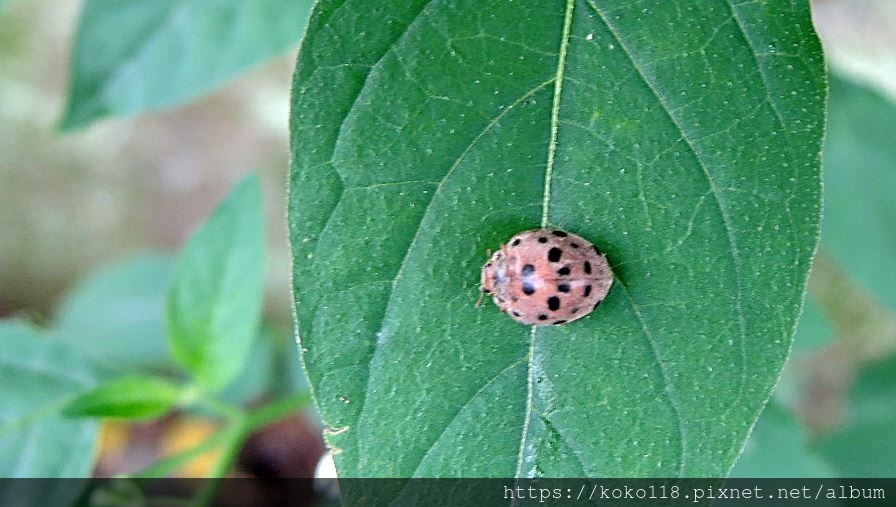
(587, 290)
(542, 317)
(554, 254)
(542, 240)
(563, 287)
(563, 271)
(574, 245)
(558, 322)
(515, 242)
(559, 234)
(587, 268)
(575, 310)
(486, 290)
(528, 269)
(517, 314)
(599, 301)
(528, 288)
(553, 303)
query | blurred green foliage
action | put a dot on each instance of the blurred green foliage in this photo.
(127, 398)
(214, 305)
(779, 447)
(814, 329)
(110, 331)
(859, 225)
(50, 393)
(38, 377)
(132, 56)
(866, 443)
(116, 316)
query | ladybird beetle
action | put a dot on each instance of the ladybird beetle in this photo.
(547, 277)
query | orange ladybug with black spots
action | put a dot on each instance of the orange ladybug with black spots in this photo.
(547, 277)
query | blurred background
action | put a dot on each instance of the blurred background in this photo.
(89, 219)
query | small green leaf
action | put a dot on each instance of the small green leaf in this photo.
(39, 376)
(258, 377)
(778, 447)
(866, 444)
(684, 142)
(214, 306)
(859, 228)
(135, 56)
(127, 398)
(116, 316)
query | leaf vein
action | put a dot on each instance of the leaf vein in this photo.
(723, 210)
(664, 369)
(441, 184)
(762, 75)
(461, 409)
(545, 207)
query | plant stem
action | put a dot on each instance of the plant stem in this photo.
(241, 427)
(278, 409)
(225, 410)
(235, 435)
(170, 464)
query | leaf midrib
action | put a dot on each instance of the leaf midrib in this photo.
(135, 52)
(419, 229)
(545, 208)
(439, 184)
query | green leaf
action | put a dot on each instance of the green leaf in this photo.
(683, 142)
(860, 174)
(778, 447)
(39, 376)
(259, 375)
(214, 306)
(131, 56)
(865, 445)
(116, 316)
(128, 398)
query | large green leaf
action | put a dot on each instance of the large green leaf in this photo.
(860, 174)
(117, 315)
(682, 141)
(214, 306)
(39, 376)
(134, 56)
